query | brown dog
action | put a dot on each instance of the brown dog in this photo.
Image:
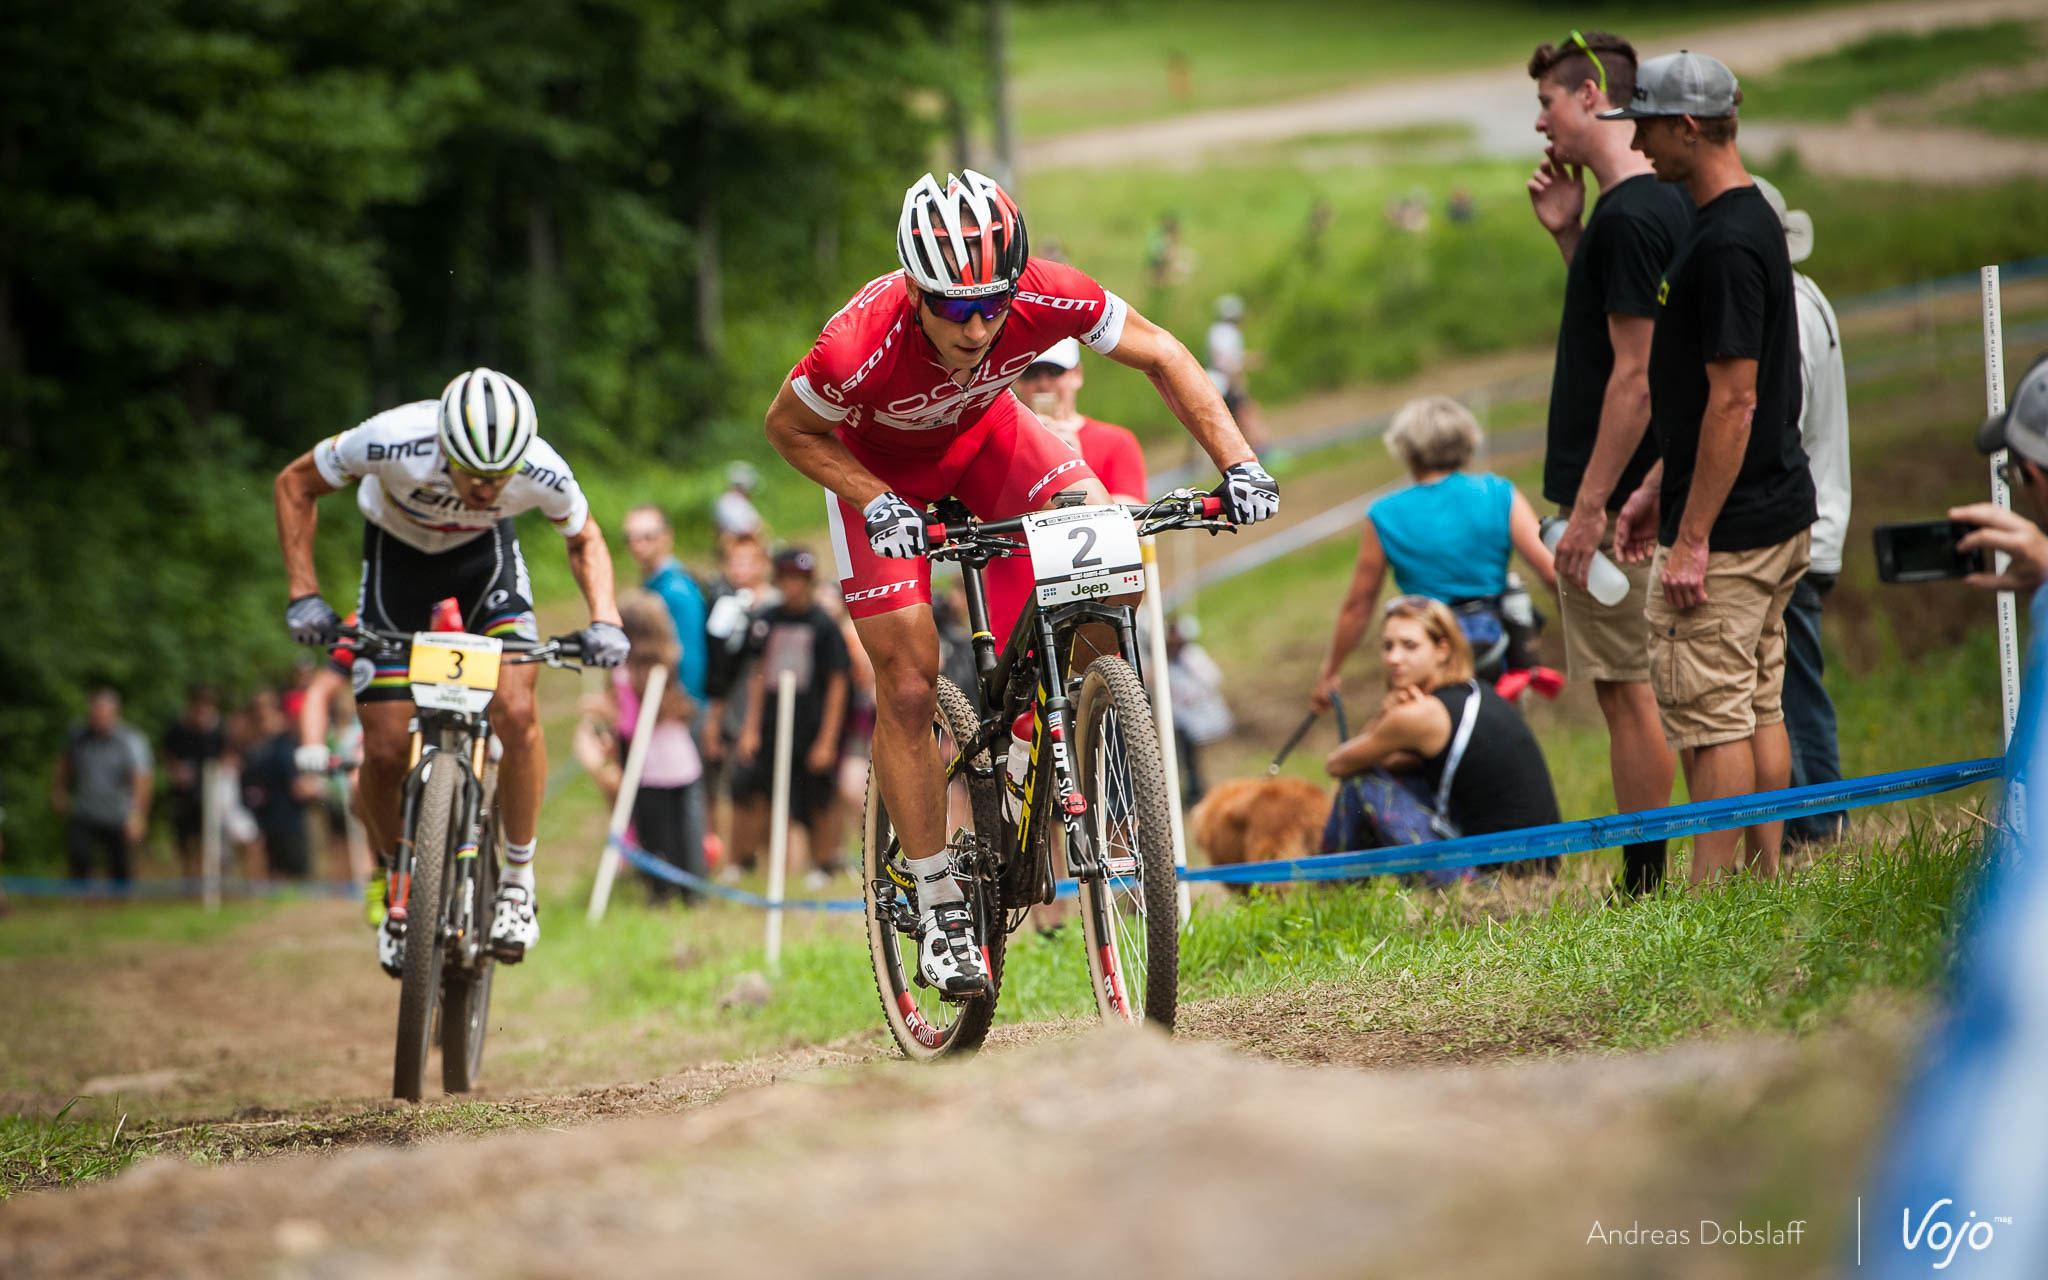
(1260, 820)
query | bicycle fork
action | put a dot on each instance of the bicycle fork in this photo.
(1056, 718)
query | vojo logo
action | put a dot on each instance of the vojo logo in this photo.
(1943, 1237)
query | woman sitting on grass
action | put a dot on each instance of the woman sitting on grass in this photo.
(1449, 535)
(1436, 719)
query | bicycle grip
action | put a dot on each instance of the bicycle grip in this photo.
(1212, 506)
(935, 535)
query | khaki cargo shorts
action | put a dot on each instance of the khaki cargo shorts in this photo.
(1602, 643)
(1718, 669)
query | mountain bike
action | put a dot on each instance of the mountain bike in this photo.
(445, 873)
(1093, 795)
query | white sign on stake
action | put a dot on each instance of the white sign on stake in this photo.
(1994, 404)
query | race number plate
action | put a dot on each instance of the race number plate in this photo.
(1084, 553)
(453, 670)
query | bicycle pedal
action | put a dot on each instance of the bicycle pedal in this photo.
(508, 952)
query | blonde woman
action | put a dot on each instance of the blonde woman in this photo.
(1448, 536)
(1436, 719)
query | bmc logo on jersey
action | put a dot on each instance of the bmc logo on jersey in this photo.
(1057, 304)
(546, 476)
(420, 448)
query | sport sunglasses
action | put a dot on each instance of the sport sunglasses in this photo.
(493, 476)
(959, 310)
(1579, 40)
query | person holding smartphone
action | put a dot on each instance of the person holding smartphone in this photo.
(2023, 429)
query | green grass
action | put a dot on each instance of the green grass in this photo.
(1079, 66)
(1891, 63)
(2023, 114)
(1368, 303)
(51, 1151)
(35, 930)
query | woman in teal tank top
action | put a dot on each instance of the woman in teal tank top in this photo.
(1448, 536)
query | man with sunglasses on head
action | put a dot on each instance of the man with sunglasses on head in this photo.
(905, 399)
(440, 484)
(1598, 447)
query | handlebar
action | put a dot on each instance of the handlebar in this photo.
(1181, 509)
(556, 651)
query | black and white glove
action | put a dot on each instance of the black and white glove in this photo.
(311, 757)
(311, 620)
(895, 528)
(604, 645)
(1249, 494)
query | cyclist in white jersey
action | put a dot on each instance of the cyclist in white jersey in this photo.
(439, 486)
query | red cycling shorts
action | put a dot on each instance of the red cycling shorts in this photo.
(1005, 465)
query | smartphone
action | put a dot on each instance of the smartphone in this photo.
(1925, 551)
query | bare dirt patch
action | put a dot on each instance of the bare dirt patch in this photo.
(1091, 1153)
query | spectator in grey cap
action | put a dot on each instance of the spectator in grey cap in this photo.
(1726, 512)
(2022, 428)
(1824, 432)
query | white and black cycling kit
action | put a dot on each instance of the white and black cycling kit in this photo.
(422, 544)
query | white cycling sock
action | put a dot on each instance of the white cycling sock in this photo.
(935, 882)
(519, 864)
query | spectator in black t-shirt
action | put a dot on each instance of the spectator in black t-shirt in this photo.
(1393, 771)
(193, 740)
(1598, 446)
(1728, 508)
(270, 782)
(797, 636)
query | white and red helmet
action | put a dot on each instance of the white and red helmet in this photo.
(964, 239)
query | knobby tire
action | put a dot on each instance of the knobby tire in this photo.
(1130, 920)
(423, 915)
(895, 955)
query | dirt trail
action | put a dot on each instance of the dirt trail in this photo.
(1095, 1153)
(1499, 107)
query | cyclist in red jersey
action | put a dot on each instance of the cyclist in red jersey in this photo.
(905, 399)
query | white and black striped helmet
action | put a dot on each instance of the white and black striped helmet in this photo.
(487, 421)
(961, 240)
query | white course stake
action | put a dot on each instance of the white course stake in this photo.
(209, 832)
(629, 787)
(778, 813)
(1162, 716)
(1994, 404)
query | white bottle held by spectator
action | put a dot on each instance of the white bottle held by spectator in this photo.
(1604, 579)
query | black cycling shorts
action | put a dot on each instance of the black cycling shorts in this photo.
(401, 585)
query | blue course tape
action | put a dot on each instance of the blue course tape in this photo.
(1622, 828)
(177, 887)
(653, 866)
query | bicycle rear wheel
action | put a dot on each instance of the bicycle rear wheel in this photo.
(424, 911)
(466, 993)
(1130, 914)
(925, 1026)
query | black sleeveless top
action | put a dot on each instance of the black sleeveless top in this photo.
(1502, 784)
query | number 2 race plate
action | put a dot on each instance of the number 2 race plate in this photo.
(453, 670)
(1084, 553)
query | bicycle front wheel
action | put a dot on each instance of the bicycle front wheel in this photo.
(420, 987)
(466, 992)
(925, 1026)
(1130, 912)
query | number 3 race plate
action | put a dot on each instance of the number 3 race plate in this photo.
(1084, 553)
(453, 670)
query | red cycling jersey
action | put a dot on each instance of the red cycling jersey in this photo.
(875, 373)
(899, 411)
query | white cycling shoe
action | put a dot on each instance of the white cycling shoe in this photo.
(948, 955)
(515, 928)
(391, 947)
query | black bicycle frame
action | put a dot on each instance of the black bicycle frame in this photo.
(458, 879)
(1003, 697)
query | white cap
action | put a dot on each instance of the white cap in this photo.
(1798, 223)
(1066, 353)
